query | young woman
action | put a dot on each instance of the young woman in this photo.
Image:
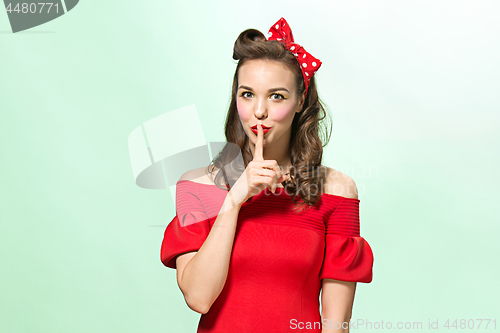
(256, 239)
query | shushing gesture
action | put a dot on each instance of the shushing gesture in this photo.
(258, 175)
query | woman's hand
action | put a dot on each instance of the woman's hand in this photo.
(258, 175)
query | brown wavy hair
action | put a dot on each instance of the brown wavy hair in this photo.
(309, 133)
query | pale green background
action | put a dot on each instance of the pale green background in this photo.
(412, 88)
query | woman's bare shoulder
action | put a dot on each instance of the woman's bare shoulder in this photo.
(199, 175)
(338, 183)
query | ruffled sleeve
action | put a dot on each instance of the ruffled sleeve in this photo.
(348, 257)
(188, 229)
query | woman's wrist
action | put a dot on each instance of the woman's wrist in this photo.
(229, 203)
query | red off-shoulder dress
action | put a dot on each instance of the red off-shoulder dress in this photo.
(278, 258)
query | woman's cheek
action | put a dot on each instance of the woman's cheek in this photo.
(282, 112)
(243, 111)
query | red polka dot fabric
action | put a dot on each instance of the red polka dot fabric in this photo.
(282, 32)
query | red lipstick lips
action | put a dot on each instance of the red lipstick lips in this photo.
(265, 128)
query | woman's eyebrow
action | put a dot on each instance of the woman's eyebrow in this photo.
(270, 90)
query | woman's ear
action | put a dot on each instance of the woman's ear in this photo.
(301, 103)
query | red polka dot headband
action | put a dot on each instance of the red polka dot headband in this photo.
(281, 32)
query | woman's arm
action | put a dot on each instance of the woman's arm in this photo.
(201, 275)
(337, 298)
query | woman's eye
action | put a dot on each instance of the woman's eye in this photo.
(246, 94)
(278, 96)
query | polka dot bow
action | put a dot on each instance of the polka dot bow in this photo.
(281, 32)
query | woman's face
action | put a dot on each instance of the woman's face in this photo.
(267, 95)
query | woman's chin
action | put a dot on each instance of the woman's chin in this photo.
(264, 142)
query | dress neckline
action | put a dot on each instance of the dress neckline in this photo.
(280, 192)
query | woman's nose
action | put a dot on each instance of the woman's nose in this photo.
(260, 111)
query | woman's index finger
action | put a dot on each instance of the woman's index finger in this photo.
(259, 149)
